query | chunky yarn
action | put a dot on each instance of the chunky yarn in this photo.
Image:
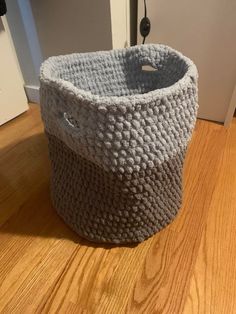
(117, 138)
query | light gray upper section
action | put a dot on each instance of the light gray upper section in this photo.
(110, 111)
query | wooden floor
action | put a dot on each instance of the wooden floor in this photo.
(190, 267)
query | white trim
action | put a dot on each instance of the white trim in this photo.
(31, 33)
(32, 93)
(5, 24)
(13, 100)
(120, 23)
(128, 37)
(231, 109)
(25, 39)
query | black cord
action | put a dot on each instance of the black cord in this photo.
(145, 15)
(145, 24)
(145, 8)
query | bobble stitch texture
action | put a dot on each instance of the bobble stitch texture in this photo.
(117, 138)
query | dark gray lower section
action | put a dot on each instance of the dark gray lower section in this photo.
(115, 208)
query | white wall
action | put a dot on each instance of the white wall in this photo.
(44, 28)
(20, 24)
(204, 30)
(72, 26)
(12, 96)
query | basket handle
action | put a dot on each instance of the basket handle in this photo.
(148, 64)
(149, 68)
(69, 124)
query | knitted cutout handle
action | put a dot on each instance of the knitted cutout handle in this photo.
(149, 68)
(69, 124)
(148, 63)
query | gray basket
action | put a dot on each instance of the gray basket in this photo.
(117, 138)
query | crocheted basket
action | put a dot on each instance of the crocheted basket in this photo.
(117, 138)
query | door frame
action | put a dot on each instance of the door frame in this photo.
(25, 39)
(231, 109)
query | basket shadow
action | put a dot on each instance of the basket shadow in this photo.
(26, 207)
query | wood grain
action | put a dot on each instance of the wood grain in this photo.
(213, 283)
(164, 280)
(46, 268)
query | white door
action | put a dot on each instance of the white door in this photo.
(205, 31)
(13, 100)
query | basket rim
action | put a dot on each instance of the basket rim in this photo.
(71, 91)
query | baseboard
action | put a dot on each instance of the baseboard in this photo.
(231, 109)
(32, 93)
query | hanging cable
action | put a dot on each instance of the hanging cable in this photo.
(145, 24)
(145, 8)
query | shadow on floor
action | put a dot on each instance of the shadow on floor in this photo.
(25, 203)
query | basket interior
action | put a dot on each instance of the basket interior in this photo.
(120, 72)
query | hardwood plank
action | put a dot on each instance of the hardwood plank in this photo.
(35, 249)
(24, 163)
(22, 170)
(47, 268)
(164, 281)
(17, 129)
(102, 279)
(213, 284)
